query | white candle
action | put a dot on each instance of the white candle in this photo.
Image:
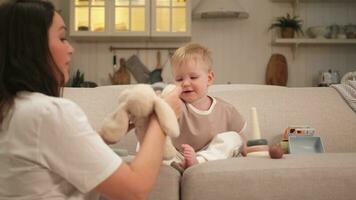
(256, 134)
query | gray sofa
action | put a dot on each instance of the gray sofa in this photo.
(329, 175)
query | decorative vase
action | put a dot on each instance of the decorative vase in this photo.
(287, 32)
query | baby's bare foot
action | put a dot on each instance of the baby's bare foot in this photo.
(190, 157)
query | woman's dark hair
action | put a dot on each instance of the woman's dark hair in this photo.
(26, 63)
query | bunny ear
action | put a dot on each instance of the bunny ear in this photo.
(115, 125)
(166, 117)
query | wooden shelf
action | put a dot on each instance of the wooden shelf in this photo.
(310, 1)
(296, 42)
(306, 41)
(296, 3)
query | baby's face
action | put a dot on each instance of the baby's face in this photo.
(194, 78)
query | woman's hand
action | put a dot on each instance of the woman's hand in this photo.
(172, 98)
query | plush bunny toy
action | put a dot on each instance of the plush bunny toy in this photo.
(136, 104)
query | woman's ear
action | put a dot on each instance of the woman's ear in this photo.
(211, 77)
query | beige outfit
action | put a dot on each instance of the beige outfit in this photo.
(212, 133)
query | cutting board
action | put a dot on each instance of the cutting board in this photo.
(121, 76)
(277, 70)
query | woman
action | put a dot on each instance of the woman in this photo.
(48, 150)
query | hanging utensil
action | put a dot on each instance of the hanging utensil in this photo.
(120, 76)
(158, 60)
(155, 75)
(114, 63)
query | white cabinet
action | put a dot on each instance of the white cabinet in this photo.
(171, 18)
(88, 17)
(130, 19)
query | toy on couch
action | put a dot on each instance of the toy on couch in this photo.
(136, 104)
(294, 130)
(301, 139)
(258, 147)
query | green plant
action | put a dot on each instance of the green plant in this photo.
(288, 21)
(76, 80)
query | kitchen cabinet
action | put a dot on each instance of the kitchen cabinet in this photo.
(171, 18)
(130, 19)
(88, 17)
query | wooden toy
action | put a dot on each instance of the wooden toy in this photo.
(256, 147)
(275, 151)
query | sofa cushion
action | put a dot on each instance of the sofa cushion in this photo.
(308, 176)
(167, 185)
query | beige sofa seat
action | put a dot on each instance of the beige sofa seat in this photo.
(313, 176)
(168, 184)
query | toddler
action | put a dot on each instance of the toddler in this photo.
(210, 128)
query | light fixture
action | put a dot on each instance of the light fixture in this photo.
(219, 9)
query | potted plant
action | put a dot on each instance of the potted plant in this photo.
(288, 25)
(76, 80)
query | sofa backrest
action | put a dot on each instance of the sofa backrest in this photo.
(280, 107)
(277, 108)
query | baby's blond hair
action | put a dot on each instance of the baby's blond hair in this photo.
(193, 51)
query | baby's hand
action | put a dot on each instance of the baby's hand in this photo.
(244, 149)
(190, 157)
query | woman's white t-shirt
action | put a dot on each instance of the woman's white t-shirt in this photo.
(48, 150)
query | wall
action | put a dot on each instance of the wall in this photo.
(241, 48)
